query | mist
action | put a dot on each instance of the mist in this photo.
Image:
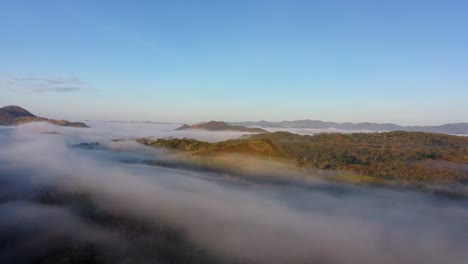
(169, 214)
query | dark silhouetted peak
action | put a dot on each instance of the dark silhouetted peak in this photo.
(15, 115)
(17, 111)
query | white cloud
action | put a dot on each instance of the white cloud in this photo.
(44, 84)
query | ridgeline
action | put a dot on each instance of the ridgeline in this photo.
(222, 126)
(399, 157)
(14, 115)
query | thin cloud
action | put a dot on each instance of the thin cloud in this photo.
(43, 85)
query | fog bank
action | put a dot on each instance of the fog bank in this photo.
(232, 219)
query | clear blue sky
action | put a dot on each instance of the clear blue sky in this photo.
(381, 61)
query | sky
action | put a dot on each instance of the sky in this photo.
(404, 62)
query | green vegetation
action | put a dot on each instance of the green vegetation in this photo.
(402, 157)
(255, 146)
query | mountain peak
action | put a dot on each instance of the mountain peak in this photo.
(222, 126)
(15, 115)
(16, 111)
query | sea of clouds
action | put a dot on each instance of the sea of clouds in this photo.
(292, 220)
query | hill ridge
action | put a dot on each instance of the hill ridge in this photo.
(398, 156)
(221, 126)
(12, 115)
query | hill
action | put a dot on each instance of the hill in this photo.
(455, 128)
(403, 157)
(222, 126)
(14, 115)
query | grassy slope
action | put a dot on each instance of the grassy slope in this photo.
(404, 157)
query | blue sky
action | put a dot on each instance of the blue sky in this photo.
(381, 61)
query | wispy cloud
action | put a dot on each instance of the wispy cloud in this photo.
(44, 84)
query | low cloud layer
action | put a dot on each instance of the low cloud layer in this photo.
(43, 85)
(230, 218)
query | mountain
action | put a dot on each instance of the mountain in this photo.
(455, 128)
(14, 111)
(222, 126)
(397, 157)
(14, 115)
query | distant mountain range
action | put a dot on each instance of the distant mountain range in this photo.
(138, 122)
(14, 115)
(455, 128)
(222, 126)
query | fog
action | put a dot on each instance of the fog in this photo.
(269, 215)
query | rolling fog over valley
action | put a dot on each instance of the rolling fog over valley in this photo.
(107, 204)
(233, 132)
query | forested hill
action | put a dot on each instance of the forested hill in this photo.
(406, 157)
